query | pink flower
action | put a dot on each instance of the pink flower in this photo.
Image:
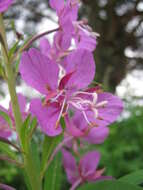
(81, 130)
(67, 12)
(4, 5)
(93, 113)
(5, 130)
(60, 93)
(85, 171)
(59, 48)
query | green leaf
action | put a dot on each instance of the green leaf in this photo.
(13, 49)
(6, 118)
(32, 165)
(110, 185)
(24, 131)
(134, 178)
(2, 72)
(53, 178)
(32, 127)
(49, 145)
(6, 149)
(35, 155)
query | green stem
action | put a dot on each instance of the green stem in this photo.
(11, 81)
(10, 78)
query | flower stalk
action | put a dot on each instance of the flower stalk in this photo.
(11, 81)
(10, 77)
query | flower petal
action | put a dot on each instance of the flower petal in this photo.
(5, 130)
(97, 135)
(112, 110)
(84, 41)
(81, 62)
(22, 105)
(45, 46)
(62, 41)
(38, 71)
(72, 129)
(47, 117)
(57, 5)
(4, 4)
(70, 166)
(89, 163)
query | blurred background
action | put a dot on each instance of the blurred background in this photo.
(119, 62)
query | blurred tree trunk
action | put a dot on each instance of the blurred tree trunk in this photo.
(104, 17)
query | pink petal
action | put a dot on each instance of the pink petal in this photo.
(62, 41)
(22, 104)
(81, 62)
(112, 110)
(72, 129)
(38, 71)
(5, 130)
(89, 163)
(57, 5)
(47, 117)
(4, 5)
(6, 187)
(97, 135)
(45, 46)
(65, 80)
(102, 178)
(70, 166)
(86, 42)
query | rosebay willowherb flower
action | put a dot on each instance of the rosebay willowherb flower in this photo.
(85, 171)
(60, 93)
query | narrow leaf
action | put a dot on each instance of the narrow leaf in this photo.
(35, 155)
(10, 143)
(48, 146)
(7, 150)
(6, 118)
(53, 178)
(134, 178)
(109, 185)
(13, 49)
(23, 131)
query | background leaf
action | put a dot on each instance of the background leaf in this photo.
(6, 149)
(134, 178)
(110, 185)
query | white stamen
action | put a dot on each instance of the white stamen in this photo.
(101, 104)
(85, 93)
(85, 116)
(95, 97)
(61, 112)
(95, 111)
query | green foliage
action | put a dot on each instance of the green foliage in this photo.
(109, 185)
(122, 151)
(7, 150)
(6, 118)
(49, 145)
(53, 177)
(135, 178)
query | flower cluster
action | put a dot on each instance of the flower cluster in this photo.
(62, 72)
